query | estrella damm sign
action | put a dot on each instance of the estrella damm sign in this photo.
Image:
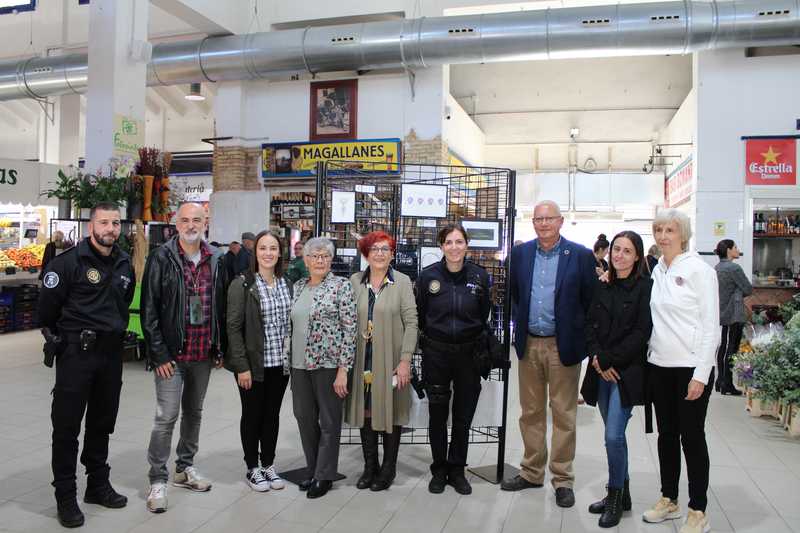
(771, 161)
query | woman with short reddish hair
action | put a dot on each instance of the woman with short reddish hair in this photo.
(386, 340)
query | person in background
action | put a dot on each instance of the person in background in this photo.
(733, 287)
(232, 260)
(653, 253)
(245, 256)
(454, 307)
(684, 304)
(297, 267)
(321, 348)
(600, 252)
(258, 320)
(52, 249)
(618, 326)
(183, 320)
(386, 340)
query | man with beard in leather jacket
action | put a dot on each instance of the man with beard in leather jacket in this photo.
(183, 317)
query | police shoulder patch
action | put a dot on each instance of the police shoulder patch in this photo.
(50, 280)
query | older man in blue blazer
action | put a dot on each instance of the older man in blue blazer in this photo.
(552, 281)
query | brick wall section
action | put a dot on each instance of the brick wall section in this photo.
(427, 151)
(235, 168)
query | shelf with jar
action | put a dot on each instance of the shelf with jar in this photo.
(776, 223)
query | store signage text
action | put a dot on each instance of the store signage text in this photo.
(300, 159)
(771, 161)
(679, 186)
(8, 176)
(128, 136)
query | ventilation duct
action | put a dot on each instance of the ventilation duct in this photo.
(600, 31)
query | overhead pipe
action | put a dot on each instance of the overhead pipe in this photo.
(677, 27)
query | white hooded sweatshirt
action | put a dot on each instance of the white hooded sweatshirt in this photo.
(685, 308)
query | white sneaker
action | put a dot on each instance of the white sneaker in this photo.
(275, 481)
(192, 480)
(664, 509)
(256, 480)
(157, 498)
(696, 522)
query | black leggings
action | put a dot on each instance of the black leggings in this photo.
(729, 345)
(681, 423)
(261, 408)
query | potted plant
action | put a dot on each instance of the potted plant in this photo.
(65, 190)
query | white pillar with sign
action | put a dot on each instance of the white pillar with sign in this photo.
(118, 55)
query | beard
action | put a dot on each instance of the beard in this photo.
(191, 237)
(107, 240)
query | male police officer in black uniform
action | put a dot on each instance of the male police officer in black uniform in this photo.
(453, 303)
(84, 302)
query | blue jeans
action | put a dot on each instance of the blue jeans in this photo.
(616, 419)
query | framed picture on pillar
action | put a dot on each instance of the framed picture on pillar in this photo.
(334, 110)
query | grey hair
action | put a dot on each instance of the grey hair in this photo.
(549, 203)
(681, 219)
(318, 243)
(655, 251)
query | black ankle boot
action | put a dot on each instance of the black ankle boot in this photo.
(69, 514)
(391, 445)
(600, 506)
(369, 445)
(613, 510)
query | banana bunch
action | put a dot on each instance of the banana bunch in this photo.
(5, 222)
(36, 249)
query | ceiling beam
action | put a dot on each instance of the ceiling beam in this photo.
(21, 112)
(152, 104)
(173, 101)
(213, 18)
(8, 119)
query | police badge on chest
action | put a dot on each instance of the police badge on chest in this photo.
(475, 287)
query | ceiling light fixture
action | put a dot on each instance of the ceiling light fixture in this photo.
(194, 93)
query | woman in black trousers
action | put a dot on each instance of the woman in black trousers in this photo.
(258, 321)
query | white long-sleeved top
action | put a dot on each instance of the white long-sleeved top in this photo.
(685, 308)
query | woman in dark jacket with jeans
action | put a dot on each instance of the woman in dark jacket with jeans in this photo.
(258, 320)
(617, 330)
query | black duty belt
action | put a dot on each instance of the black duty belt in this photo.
(450, 346)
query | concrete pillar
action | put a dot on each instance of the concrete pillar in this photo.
(117, 73)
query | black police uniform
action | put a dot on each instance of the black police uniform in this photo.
(84, 292)
(453, 313)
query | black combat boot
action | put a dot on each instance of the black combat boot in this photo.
(391, 445)
(613, 511)
(369, 444)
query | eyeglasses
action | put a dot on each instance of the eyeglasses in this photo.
(320, 257)
(380, 249)
(543, 220)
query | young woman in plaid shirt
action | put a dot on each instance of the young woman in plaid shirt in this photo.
(259, 301)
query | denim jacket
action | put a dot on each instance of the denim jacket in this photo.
(331, 337)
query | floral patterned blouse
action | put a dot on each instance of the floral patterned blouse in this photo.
(331, 337)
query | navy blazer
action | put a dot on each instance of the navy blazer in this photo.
(576, 279)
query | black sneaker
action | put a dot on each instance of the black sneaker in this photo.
(106, 496)
(437, 484)
(565, 497)
(69, 514)
(518, 483)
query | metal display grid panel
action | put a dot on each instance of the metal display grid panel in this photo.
(472, 193)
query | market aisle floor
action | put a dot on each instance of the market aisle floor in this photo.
(755, 473)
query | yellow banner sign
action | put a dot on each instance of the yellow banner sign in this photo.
(300, 159)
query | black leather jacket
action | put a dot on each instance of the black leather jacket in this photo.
(163, 303)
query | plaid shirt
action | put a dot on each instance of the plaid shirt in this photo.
(197, 280)
(275, 305)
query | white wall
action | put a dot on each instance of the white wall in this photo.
(738, 96)
(462, 135)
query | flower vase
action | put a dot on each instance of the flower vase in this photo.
(147, 214)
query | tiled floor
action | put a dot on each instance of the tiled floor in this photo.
(755, 473)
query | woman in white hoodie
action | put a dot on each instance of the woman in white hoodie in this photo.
(685, 307)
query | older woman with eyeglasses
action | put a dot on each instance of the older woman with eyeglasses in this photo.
(387, 337)
(321, 348)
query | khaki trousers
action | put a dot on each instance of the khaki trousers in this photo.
(539, 368)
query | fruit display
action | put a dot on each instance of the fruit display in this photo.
(29, 256)
(5, 261)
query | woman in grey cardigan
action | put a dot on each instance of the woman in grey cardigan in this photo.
(733, 287)
(387, 336)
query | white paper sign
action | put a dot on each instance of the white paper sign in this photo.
(343, 207)
(427, 201)
(429, 255)
(370, 189)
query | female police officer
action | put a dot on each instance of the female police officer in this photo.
(453, 303)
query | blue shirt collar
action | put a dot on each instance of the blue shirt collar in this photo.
(555, 250)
